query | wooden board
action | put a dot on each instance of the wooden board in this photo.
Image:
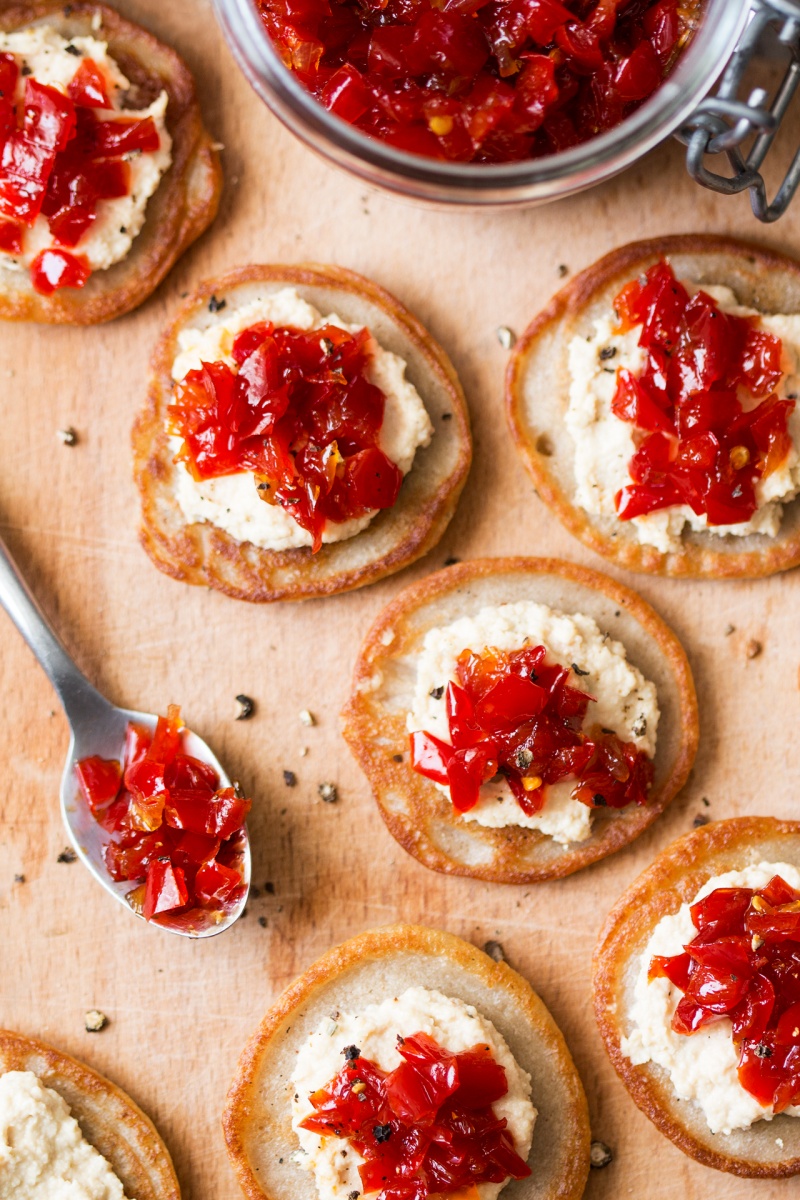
(180, 1012)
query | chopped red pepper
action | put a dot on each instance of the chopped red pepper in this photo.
(58, 158)
(166, 888)
(481, 80)
(744, 965)
(513, 712)
(87, 88)
(299, 412)
(170, 824)
(425, 1129)
(698, 446)
(100, 779)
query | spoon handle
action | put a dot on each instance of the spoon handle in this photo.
(78, 697)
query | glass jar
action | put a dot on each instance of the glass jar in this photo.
(530, 182)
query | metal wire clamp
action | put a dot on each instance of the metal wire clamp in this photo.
(724, 122)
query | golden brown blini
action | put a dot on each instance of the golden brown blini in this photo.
(205, 554)
(185, 201)
(379, 964)
(109, 1119)
(537, 397)
(417, 813)
(767, 1149)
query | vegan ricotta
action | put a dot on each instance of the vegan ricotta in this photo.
(604, 444)
(230, 501)
(452, 1023)
(701, 1065)
(626, 702)
(42, 53)
(43, 1154)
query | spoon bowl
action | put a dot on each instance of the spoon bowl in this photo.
(98, 728)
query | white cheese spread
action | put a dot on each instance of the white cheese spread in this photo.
(701, 1065)
(231, 502)
(453, 1024)
(42, 52)
(626, 701)
(604, 444)
(43, 1154)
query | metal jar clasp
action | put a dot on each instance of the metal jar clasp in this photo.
(724, 122)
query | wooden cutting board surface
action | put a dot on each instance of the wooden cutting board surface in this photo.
(179, 1012)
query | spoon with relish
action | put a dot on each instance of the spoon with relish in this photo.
(147, 806)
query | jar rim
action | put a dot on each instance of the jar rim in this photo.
(580, 166)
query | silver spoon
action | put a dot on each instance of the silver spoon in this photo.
(96, 727)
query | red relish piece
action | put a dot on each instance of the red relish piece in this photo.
(60, 159)
(172, 829)
(54, 269)
(701, 447)
(428, 1127)
(87, 89)
(514, 714)
(744, 966)
(298, 411)
(473, 81)
(100, 780)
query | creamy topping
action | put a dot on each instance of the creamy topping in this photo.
(456, 1026)
(626, 701)
(701, 1065)
(230, 501)
(43, 1154)
(604, 444)
(41, 50)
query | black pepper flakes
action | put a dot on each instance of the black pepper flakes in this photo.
(215, 305)
(523, 758)
(436, 693)
(290, 779)
(447, 416)
(262, 922)
(19, 879)
(563, 270)
(351, 1053)
(328, 792)
(68, 436)
(579, 670)
(762, 1050)
(398, 758)
(599, 800)
(67, 855)
(451, 562)
(600, 1155)
(700, 820)
(353, 1195)
(70, 49)
(269, 888)
(246, 707)
(607, 352)
(26, 71)
(382, 1133)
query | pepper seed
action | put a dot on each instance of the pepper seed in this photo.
(600, 1155)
